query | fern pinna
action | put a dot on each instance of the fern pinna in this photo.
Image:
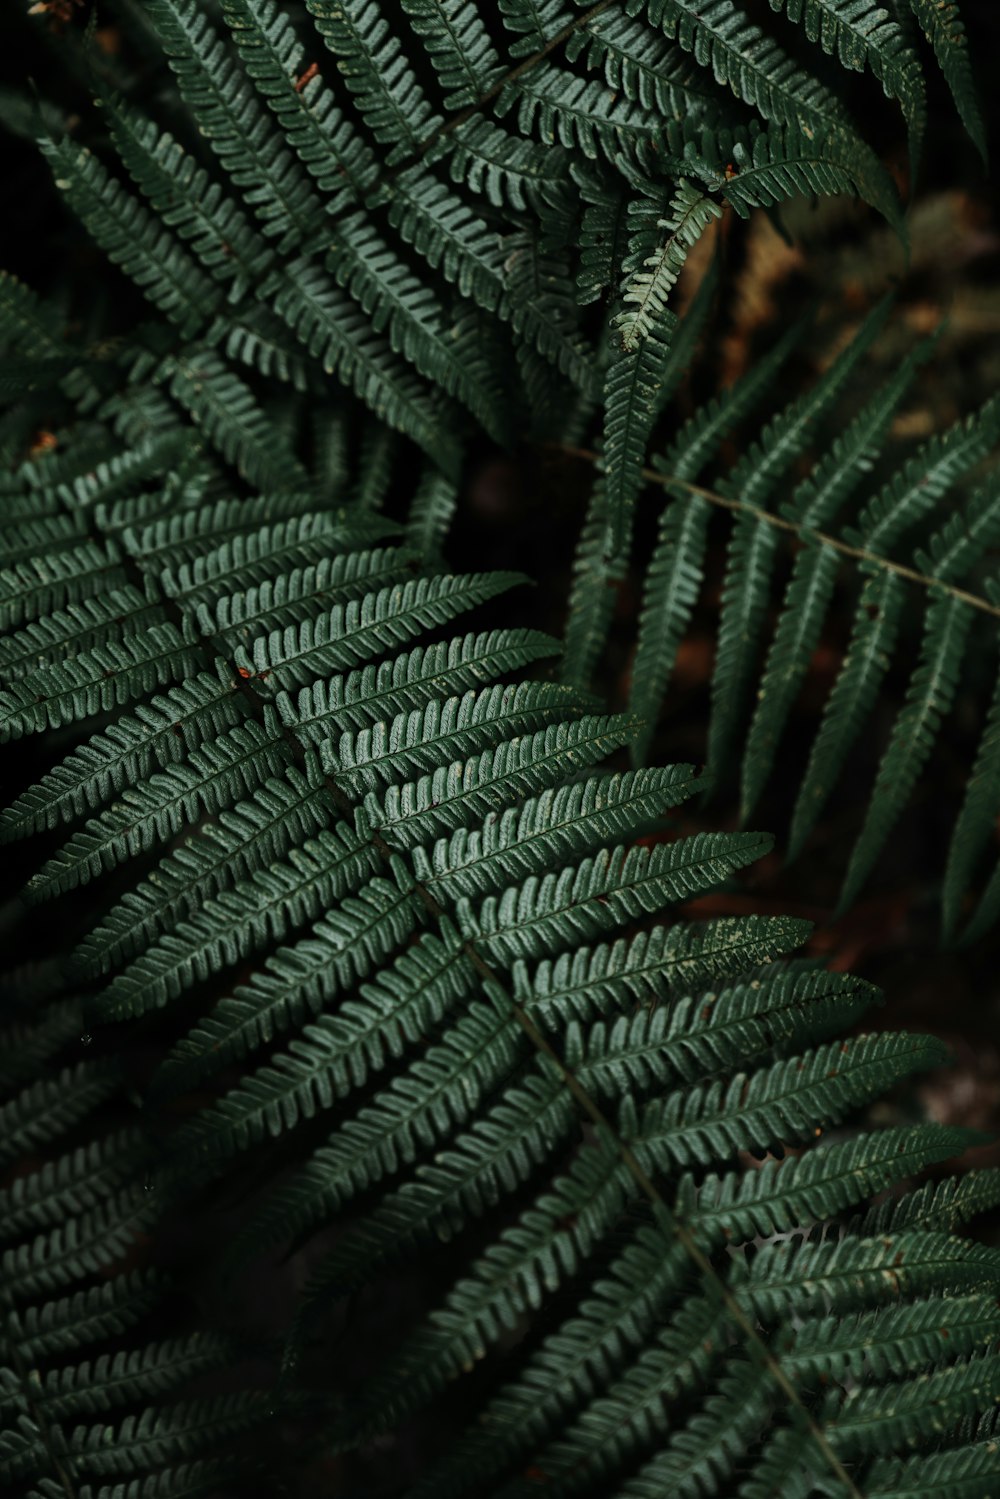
(915, 542)
(378, 870)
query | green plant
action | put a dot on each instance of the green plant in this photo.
(946, 577)
(360, 921)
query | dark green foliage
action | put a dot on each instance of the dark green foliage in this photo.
(446, 917)
(378, 942)
(70, 1223)
(916, 543)
(374, 238)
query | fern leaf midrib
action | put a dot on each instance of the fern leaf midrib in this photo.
(781, 523)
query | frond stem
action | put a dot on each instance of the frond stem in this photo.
(780, 523)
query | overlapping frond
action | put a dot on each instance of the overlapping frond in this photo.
(440, 938)
(74, 1281)
(345, 196)
(915, 545)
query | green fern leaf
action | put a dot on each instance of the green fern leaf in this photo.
(361, 629)
(409, 682)
(928, 699)
(446, 729)
(252, 153)
(333, 153)
(47, 1108)
(95, 680)
(371, 61)
(753, 544)
(852, 698)
(171, 798)
(942, 25)
(645, 327)
(299, 981)
(459, 47)
(336, 332)
(675, 571)
(861, 35)
(132, 238)
(971, 835)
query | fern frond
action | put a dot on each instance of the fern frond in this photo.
(553, 825)
(93, 1315)
(132, 238)
(675, 570)
(643, 372)
(26, 322)
(297, 982)
(743, 58)
(962, 1472)
(226, 410)
(459, 796)
(46, 1109)
(256, 910)
(333, 153)
(753, 544)
(205, 783)
(645, 67)
(264, 827)
(582, 115)
(459, 47)
(336, 332)
(361, 629)
(862, 547)
(88, 1389)
(71, 1184)
(647, 287)
(395, 299)
(929, 696)
(95, 680)
(505, 169)
(447, 730)
(942, 25)
(186, 199)
(867, 35)
(410, 681)
(535, 22)
(253, 154)
(852, 697)
(605, 892)
(544, 311)
(374, 67)
(124, 754)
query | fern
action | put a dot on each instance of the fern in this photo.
(72, 1417)
(447, 910)
(312, 241)
(353, 915)
(942, 24)
(942, 576)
